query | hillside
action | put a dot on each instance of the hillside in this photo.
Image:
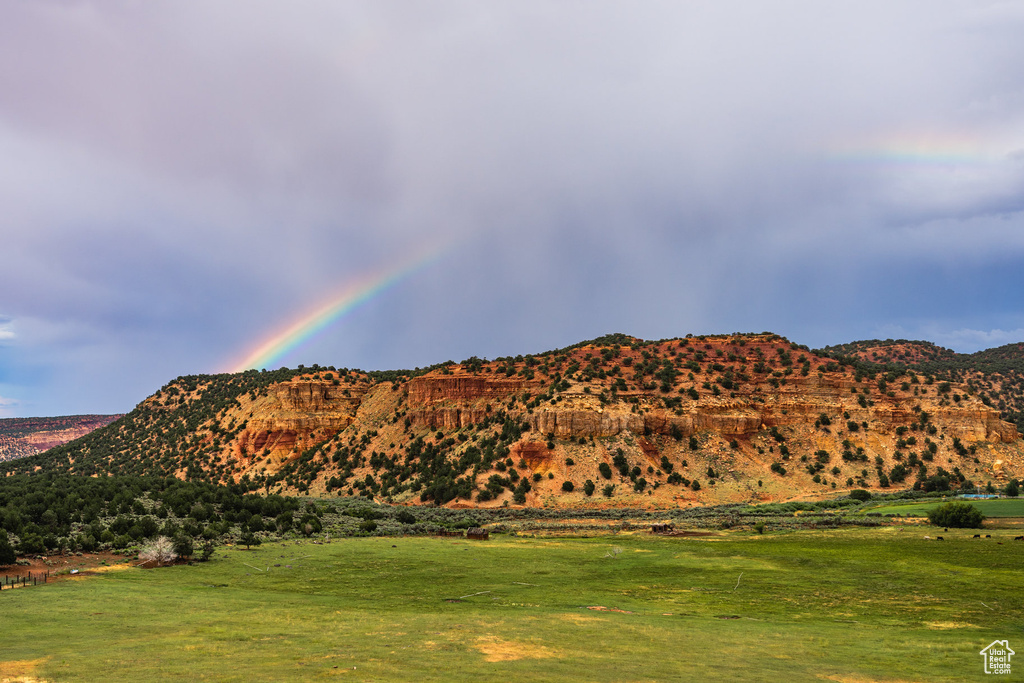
(616, 421)
(24, 436)
(895, 351)
(995, 375)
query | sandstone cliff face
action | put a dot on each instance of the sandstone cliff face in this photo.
(432, 389)
(585, 421)
(454, 402)
(458, 402)
(297, 414)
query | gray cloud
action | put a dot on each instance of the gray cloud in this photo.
(180, 178)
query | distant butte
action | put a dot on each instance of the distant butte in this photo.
(24, 436)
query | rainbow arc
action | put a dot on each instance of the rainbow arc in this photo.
(300, 330)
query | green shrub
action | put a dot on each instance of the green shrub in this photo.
(365, 513)
(860, 494)
(406, 517)
(249, 539)
(7, 555)
(568, 486)
(310, 524)
(956, 514)
(86, 542)
(207, 551)
(183, 546)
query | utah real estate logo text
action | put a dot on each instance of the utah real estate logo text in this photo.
(997, 657)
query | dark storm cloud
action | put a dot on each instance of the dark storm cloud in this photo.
(179, 178)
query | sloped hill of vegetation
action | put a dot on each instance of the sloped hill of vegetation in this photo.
(612, 422)
(995, 375)
(894, 351)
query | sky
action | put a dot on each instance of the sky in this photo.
(185, 184)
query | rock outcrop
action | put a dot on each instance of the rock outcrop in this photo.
(296, 415)
(458, 402)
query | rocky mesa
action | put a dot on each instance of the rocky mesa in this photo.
(617, 421)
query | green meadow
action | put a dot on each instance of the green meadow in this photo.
(850, 605)
(992, 507)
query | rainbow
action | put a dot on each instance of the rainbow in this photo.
(322, 316)
(922, 148)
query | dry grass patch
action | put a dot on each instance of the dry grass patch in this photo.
(860, 679)
(109, 568)
(581, 618)
(20, 671)
(947, 625)
(497, 650)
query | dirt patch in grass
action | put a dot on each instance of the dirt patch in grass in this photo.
(62, 566)
(59, 565)
(20, 671)
(495, 649)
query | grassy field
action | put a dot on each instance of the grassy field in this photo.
(992, 507)
(849, 605)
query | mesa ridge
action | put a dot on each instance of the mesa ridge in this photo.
(615, 421)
